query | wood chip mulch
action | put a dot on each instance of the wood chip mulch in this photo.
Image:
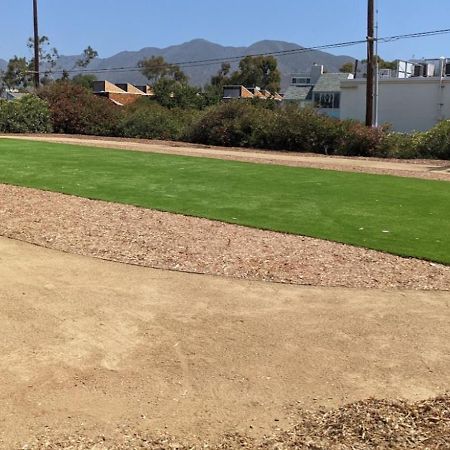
(161, 240)
(364, 425)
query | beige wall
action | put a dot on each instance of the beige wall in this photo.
(124, 98)
(411, 104)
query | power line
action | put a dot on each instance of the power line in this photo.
(214, 61)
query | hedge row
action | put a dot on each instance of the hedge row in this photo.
(303, 130)
(72, 109)
(29, 114)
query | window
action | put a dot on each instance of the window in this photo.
(327, 100)
(301, 80)
(232, 92)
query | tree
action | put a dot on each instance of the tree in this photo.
(213, 92)
(382, 64)
(177, 74)
(2, 83)
(47, 56)
(153, 68)
(221, 78)
(347, 68)
(156, 68)
(85, 80)
(18, 74)
(88, 55)
(261, 71)
(175, 94)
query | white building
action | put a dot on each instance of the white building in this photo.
(417, 100)
(317, 89)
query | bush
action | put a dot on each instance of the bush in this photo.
(29, 114)
(250, 124)
(234, 123)
(75, 110)
(435, 143)
(402, 145)
(302, 130)
(355, 139)
(149, 120)
(172, 94)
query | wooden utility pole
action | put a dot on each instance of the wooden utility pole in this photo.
(370, 61)
(355, 69)
(36, 44)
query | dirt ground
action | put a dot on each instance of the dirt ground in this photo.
(89, 346)
(429, 169)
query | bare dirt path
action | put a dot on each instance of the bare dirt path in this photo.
(429, 169)
(89, 345)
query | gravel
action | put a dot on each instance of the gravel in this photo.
(162, 240)
(364, 425)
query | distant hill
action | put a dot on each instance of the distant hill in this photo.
(200, 49)
(3, 64)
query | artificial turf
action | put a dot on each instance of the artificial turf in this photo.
(404, 216)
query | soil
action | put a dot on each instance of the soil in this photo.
(94, 348)
(428, 169)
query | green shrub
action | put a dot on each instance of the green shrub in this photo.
(257, 124)
(234, 123)
(147, 119)
(172, 94)
(28, 114)
(302, 130)
(76, 110)
(402, 145)
(435, 143)
(69, 108)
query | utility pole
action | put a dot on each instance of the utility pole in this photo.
(36, 44)
(355, 69)
(377, 74)
(370, 61)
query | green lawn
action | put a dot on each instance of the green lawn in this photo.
(404, 216)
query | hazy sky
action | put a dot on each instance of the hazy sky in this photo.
(113, 26)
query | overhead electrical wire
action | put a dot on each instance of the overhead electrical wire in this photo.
(215, 61)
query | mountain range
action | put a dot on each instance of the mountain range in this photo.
(200, 49)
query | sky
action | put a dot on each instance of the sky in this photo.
(113, 26)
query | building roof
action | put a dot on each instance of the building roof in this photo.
(243, 91)
(298, 93)
(131, 89)
(331, 82)
(146, 89)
